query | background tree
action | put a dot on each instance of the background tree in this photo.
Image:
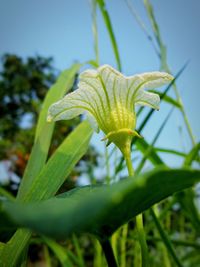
(23, 86)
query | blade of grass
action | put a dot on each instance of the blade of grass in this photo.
(148, 116)
(78, 251)
(164, 64)
(170, 151)
(59, 251)
(192, 155)
(151, 147)
(153, 157)
(93, 4)
(5, 193)
(167, 99)
(44, 129)
(186, 198)
(141, 24)
(165, 239)
(109, 27)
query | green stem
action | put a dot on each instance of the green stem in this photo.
(123, 245)
(129, 165)
(139, 221)
(108, 251)
(142, 240)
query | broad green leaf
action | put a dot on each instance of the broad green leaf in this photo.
(48, 182)
(101, 209)
(44, 130)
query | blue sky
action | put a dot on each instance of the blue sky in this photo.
(62, 29)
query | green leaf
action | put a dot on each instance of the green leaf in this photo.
(44, 129)
(150, 150)
(153, 157)
(101, 209)
(170, 151)
(186, 198)
(59, 166)
(165, 239)
(48, 182)
(59, 251)
(192, 155)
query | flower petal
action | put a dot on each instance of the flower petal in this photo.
(149, 80)
(93, 122)
(148, 99)
(70, 106)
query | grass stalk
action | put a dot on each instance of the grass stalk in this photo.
(124, 235)
(109, 27)
(165, 239)
(139, 222)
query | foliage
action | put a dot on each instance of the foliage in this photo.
(165, 196)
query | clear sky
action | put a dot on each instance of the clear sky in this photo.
(62, 29)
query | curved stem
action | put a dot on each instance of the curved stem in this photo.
(108, 251)
(139, 221)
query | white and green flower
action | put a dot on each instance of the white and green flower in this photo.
(109, 98)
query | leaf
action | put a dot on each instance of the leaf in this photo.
(153, 157)
(59, 166)
(170, 151)
(108, 24)
(150, 149)
(100, 210)
(44, 129)
(192, 155)
(186, 198)
(49, 180)
(165, 239)
(59, 251)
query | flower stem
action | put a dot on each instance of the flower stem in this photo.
(108, 251)
(139, 221)
(129, 165)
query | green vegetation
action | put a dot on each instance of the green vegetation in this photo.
(147, 219)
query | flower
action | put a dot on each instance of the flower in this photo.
(109, 98)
